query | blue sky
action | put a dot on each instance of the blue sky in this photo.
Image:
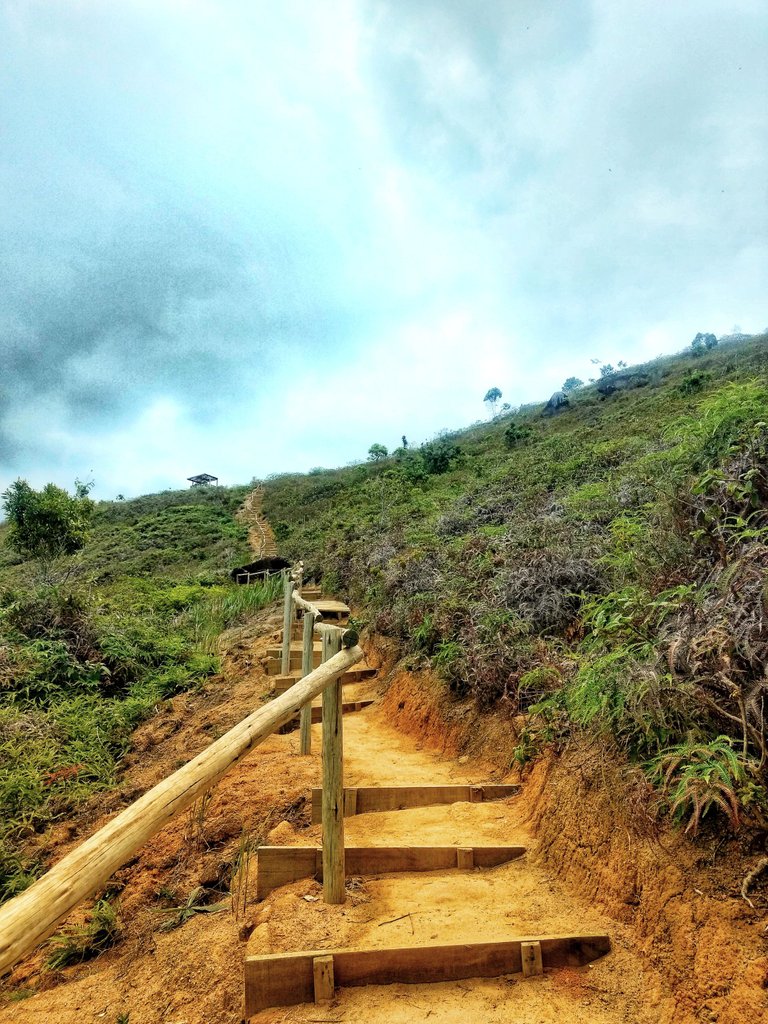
(249, 237)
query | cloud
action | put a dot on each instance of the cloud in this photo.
(209, 211)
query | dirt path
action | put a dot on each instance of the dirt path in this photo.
(194, 974)
(516, 899)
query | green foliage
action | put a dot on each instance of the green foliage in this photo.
(440, 455)
(377, 452)
(79, 943)
(48, 524)
(572, 384)
(516, 433)
(694, 778)
(693, 381)
(82, 664)
(491, 399)
(703, 343)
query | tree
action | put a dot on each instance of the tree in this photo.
(377, 452)
(492, 396)
(702, 343)
(439, 455)
(405, 441)
(49, 524)
(572, 384)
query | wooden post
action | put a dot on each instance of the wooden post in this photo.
(287, 621)
(530, 955)
(305, 719)
(30, 917)
(333, 781)
(465, 858)
(322, 976)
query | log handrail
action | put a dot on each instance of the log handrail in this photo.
(29, 918)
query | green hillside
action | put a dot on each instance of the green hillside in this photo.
(599, 571)
(131, 620)
(603, 569)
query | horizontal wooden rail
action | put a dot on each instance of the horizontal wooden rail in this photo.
(30, 917)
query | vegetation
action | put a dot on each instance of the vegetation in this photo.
(46, 525)
(84, 659)
(601, 571)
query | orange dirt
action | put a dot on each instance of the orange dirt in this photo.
(678, 957)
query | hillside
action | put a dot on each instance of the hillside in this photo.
(133, 621)
(574, 602)
(602, 568)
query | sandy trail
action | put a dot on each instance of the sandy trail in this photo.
(513, 900)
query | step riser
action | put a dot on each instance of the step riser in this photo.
(317, 714)
(286, 979)
(368, 799)
(355, 675)
(281, 865)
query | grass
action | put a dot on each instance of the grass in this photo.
(617, 549)
(82, 664)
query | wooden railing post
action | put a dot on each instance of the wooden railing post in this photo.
(31, 916)
(333, 780)
(305, 719)
(285, 666)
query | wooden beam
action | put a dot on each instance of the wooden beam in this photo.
(30, 917)
(332, 801)
(398, 798)
(285, 661)
(281, 865)
(347, 708)
(285, 979)
(305, 721)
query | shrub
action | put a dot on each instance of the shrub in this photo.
(696, 777)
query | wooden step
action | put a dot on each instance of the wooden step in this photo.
(331, 610)
(317, 713)
(280, 865)
(286, 979)
(356, 674)
(366, 799)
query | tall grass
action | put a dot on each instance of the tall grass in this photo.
(225, 607)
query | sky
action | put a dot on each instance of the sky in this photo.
(244, 237)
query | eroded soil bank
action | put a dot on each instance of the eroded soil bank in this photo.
(705, 949)
(686, 947)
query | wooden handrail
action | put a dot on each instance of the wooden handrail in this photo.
(28, 918)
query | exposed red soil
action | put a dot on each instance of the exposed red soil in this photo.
(596, 833)
(686, 947)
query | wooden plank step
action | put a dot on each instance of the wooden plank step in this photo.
(280, 865)
(356, 674)
(286, 979)
(366, 799)
(276, 652)
(317, 713)
(331, 609)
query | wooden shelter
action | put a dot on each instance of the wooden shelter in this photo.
(202, 479)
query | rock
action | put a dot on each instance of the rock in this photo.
(280, 833)
(559, 402)
(624, 380)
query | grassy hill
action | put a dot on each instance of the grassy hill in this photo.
(603, 569)
(133, 621)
